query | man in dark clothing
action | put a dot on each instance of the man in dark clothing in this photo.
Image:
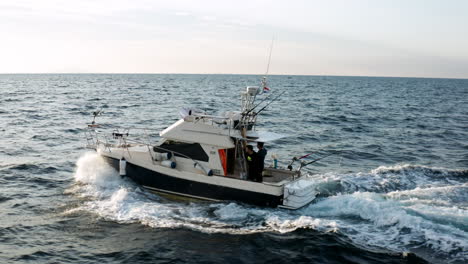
(262, 152)
(253, 163)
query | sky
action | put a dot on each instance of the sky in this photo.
(417, 38)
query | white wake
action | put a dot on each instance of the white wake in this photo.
(392, 208)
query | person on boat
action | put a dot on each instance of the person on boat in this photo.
(253, 163)
(262, 152)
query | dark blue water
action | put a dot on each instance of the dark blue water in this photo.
(397, 193)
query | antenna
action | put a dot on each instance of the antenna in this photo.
(264, 79)
(269, 56)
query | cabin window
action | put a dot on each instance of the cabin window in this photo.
(192, 150)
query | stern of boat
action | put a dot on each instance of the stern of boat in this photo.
(298, 193)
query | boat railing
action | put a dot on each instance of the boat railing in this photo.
(91, 139)
(248, 121)
(92, 135)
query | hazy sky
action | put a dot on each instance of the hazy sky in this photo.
(360, 37)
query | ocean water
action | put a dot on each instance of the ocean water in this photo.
(397, 192)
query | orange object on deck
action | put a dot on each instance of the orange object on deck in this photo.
(223, 158)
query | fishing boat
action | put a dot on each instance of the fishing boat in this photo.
(203, 156)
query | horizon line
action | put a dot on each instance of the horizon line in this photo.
(250, 74)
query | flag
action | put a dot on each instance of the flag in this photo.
(266, 89)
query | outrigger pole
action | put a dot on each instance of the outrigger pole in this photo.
(294, 159)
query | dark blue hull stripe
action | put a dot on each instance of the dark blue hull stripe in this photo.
(159, 182)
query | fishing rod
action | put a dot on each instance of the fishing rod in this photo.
(317, 151)
(274, 99)
(303, 164)
(264, 85)
(294, 159)
(315, 160)
(264, 77)
(255, 106)
(255, 114)
(307, 155)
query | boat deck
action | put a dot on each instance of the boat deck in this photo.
(278, 175)
(271, 175)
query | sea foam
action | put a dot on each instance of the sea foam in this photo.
(385, 218)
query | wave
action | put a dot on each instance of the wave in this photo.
(375, 220)
(93, 170)
(392, 217)
(121, 200)
(4, 198)
(38, 169)
(389, 178)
